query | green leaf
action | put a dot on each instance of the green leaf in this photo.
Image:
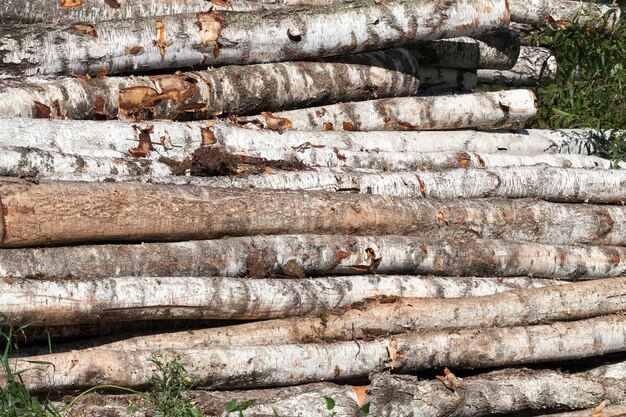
(330, 403)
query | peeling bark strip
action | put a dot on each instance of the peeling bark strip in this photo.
(415, 113)
(504, 392)
(384, 316)
(44, 11)
(540, 12)
(318, 255)
(535, 66)
(509, 141)
(221, 37)
(497, 50)
(571, 185)
(260, 366)
(77, 301)
(67, 212)
(236, 90)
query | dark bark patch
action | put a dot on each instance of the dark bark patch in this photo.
(100, 106)
(134, 50)
(293, 270)
(86, 28)
(112, 4)
(258, 265)
(294, 36)
(144, 147)
(349, 127)
(41, 111)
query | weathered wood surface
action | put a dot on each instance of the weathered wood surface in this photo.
(535, 66)
(234, 366)
(220, 37)
(318, 255)
(233, 89)
(542, 12)
(70, 212)
(492, 109)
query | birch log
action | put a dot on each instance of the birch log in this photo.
(540, 12)
(221, 37)
(69, 212)
(569, 185)
(497, 50)
(535, 66)
(315, 255)
(232, 89)
(280, 365)
(435, 80)
(504, 392)
(363, 321)
(54, 302)
(412, 113)
(513, 141)
(179, 140)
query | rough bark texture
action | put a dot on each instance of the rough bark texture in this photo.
(509, 141)
(223, 37)
(498, 50)
(551, 184)
(179, 140)
(412, 113)
(535, 66)
(434, 80)
(233, 89)
(503, 392)
(600, 410)
(276, 365)
(364, 320)
(56, 302)
(268, 256)
(69, 212)
(540, 12)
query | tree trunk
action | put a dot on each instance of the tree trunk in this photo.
(233, 89)
(497, 50)
(504, 392)
(262, 366)
(41, 302)
(516, 142)
(542, 12)
(535, 66)
(223, 37)
(412, 113)
(567, 185)
(67, 212)
(268, 256)
(180, 140)
(365, 320)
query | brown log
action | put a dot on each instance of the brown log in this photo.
(66, 212)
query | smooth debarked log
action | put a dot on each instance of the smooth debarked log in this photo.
(461, 111)
(233, 89)
(318, 255)
(56, 302)
(386, 316)
(179, 140)
(568, 185)
(279, 365)
(70, 212)
(217, 37)
(535, 66)
(503, 392)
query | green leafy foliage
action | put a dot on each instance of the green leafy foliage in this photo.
(589, 89)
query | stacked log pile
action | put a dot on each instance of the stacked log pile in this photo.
(305, 201)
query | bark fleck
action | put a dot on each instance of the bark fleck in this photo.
(208, 138)
(349, 126)
(134, 50)
(145, 142)
(100, 106)
(41, 111)
(112, 4)
(294, 36)
(210, 25)
(222, 3)
(70, 4)
(328, 126)
(160, 40)
(86, 29)
(276, 123)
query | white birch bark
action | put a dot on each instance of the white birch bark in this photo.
(541, 12)
(55, 302)
(503, 392)
(280, 365)
(509, 141)
(316, 255)
(551, 184)
(224, 37)
(232, 89)
(497, 50)
(414, 113)
(535, 66)
(70, 212)
(372, 318)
